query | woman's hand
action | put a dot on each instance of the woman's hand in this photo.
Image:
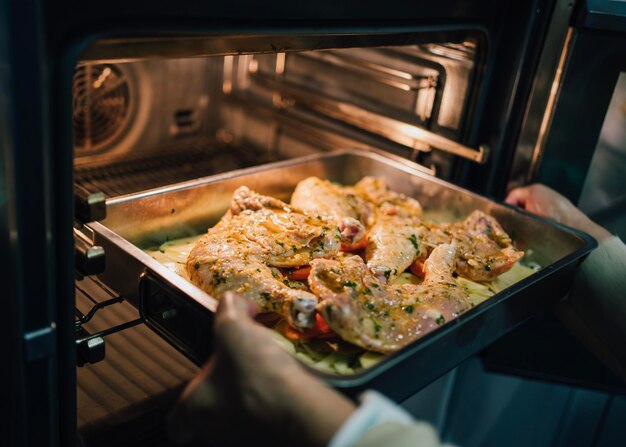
(251, 391)
(546, 202)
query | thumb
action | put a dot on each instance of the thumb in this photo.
(517, 197)
(235, 308)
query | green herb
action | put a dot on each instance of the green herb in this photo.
(335, 271)
(258, 270)
(286, 282)
(376, 286)
(440, 320)
(294, 248)
(377, 328)
(338, 236)
(350, 284)
(413, 240)
(265, 296)
(387, 273)
(280, 243)
(369, 305)
(196, 265)
(488, 267)
(323, 235)
(325, 228)
(367, 291)
(408, 309)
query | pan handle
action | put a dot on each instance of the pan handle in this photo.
(176, 318)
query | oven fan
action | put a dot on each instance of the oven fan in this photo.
(103, 100)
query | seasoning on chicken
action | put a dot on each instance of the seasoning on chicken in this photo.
(317, 197)
(484, 250)
(393, 243)
(256, 233)
(367, 313)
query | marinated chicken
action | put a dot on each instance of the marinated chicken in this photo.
(484, 249)
(258, 232)
(355, 295)
(366, 312)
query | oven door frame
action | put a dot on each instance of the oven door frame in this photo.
(44, 42)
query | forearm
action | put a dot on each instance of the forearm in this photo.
(595, 311)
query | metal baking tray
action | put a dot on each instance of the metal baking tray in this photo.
(182, 313)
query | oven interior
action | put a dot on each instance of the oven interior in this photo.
(143, 124)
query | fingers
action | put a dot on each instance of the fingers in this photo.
(517, 197)
(195, 411)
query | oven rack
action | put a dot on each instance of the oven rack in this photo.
(185, 161)
(93, 294)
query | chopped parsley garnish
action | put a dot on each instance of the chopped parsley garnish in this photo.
(350, 284)
(286, 282)
(408, 309)
(377, 327)
(338, 236)
(488, 267)
(367, 291)
(413, 240)
(387, 273)
(196, 265)
(440, 320)
(280, 243)
(369, 305)
(265, 296)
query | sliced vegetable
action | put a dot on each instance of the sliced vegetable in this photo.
(357, 246)
(417, 268)
(300, 274)
(320, 330)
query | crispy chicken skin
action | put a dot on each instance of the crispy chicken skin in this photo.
(484, 250)
(256, 233)
(367, 313)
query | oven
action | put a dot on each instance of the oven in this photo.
(102, 101)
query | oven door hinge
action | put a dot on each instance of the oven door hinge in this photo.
(40, 343)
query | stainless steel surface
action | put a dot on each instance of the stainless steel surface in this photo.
(544, 93)
(177, 46)
(401, 132)
(152, 217)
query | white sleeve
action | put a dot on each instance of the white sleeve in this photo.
(377, 420)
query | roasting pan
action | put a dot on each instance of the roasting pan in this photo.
(182, 313)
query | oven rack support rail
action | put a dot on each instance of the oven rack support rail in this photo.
(90, 347)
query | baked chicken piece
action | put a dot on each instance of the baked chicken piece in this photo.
(367, 313)
(259, 232)
(317, 197)
(484, 249)
(374, 190)
(393, 243)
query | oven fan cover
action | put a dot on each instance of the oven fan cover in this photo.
(104, 103)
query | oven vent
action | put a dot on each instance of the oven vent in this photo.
(103, 99)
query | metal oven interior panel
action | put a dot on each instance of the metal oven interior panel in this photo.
(182, 313)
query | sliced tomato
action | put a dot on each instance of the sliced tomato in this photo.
(300, 274)
(320, 330)
(417, 268)
(321, 325)
(357, 246)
